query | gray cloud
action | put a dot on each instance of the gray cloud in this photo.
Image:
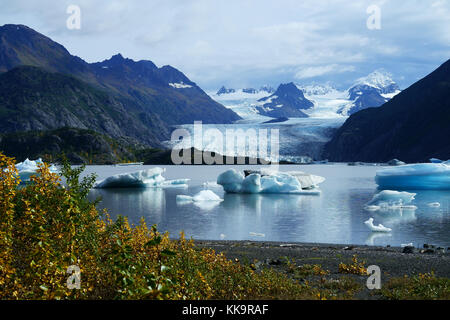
(252, 42)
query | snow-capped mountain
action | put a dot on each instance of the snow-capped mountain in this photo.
(316, 89)
(287, 101)
(243, 101)
(326, 100)
(264, 90)
(371, 91)
(224, 90)
(380, 80)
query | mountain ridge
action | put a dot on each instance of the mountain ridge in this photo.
(157, 98)
(412, 126)
(286, 101)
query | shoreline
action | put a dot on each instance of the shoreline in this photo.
(391, 260)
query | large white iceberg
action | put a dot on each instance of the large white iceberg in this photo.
(390, 199)
(29, 167)
(149, 178)
(233, 181)
(415, 176)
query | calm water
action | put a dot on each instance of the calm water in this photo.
(336, 216)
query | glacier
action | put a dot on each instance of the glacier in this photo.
(422, 176)
(29, 167)
(149, 178)
(233, 181)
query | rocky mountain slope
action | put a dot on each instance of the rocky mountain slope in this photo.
(130, 99)
(287, 101)
(413, 126)
(32, 98)
(79, 146)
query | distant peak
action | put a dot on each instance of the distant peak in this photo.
(224, 90)
(288, 88)
(117, 57)
(379, 79)
(267, 88)
(316, 89)
(15, 26)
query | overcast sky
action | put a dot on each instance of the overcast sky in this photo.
(243, 43)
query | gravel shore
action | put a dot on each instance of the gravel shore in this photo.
(392, 261)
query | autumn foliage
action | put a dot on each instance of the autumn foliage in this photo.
(47, 225)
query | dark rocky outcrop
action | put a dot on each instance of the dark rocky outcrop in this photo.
(287, 101)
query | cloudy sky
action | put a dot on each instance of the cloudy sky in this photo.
(243, 43)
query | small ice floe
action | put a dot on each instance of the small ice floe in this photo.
(372, 208)
(391, 200)
(222, 236)
(210, 184)
(204, 195)
(150, 178)
(434, 205)
(256, 234)
(379, 228)
(396, 162)
(205, 199)
(254, 182)
(435, 160)
(432, 176)
(403, 245)
(29, 167)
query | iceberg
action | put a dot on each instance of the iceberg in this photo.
(150, 178)
(205, 200)
(29, 167)
(433, 176)
(374, 228)
(389, 199)
(434, 205)
(204, 195)
(396, 162)
(257, 234)
(255, 182)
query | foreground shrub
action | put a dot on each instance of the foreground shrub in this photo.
(46, 226)
(419, 287)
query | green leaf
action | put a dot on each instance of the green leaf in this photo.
(153, 242)
(167, 252)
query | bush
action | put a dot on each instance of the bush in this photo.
(47, 226)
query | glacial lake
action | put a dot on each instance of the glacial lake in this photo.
(336, 216)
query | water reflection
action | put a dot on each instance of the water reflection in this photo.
(144, 202)
(336, 216)
(370, 241)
